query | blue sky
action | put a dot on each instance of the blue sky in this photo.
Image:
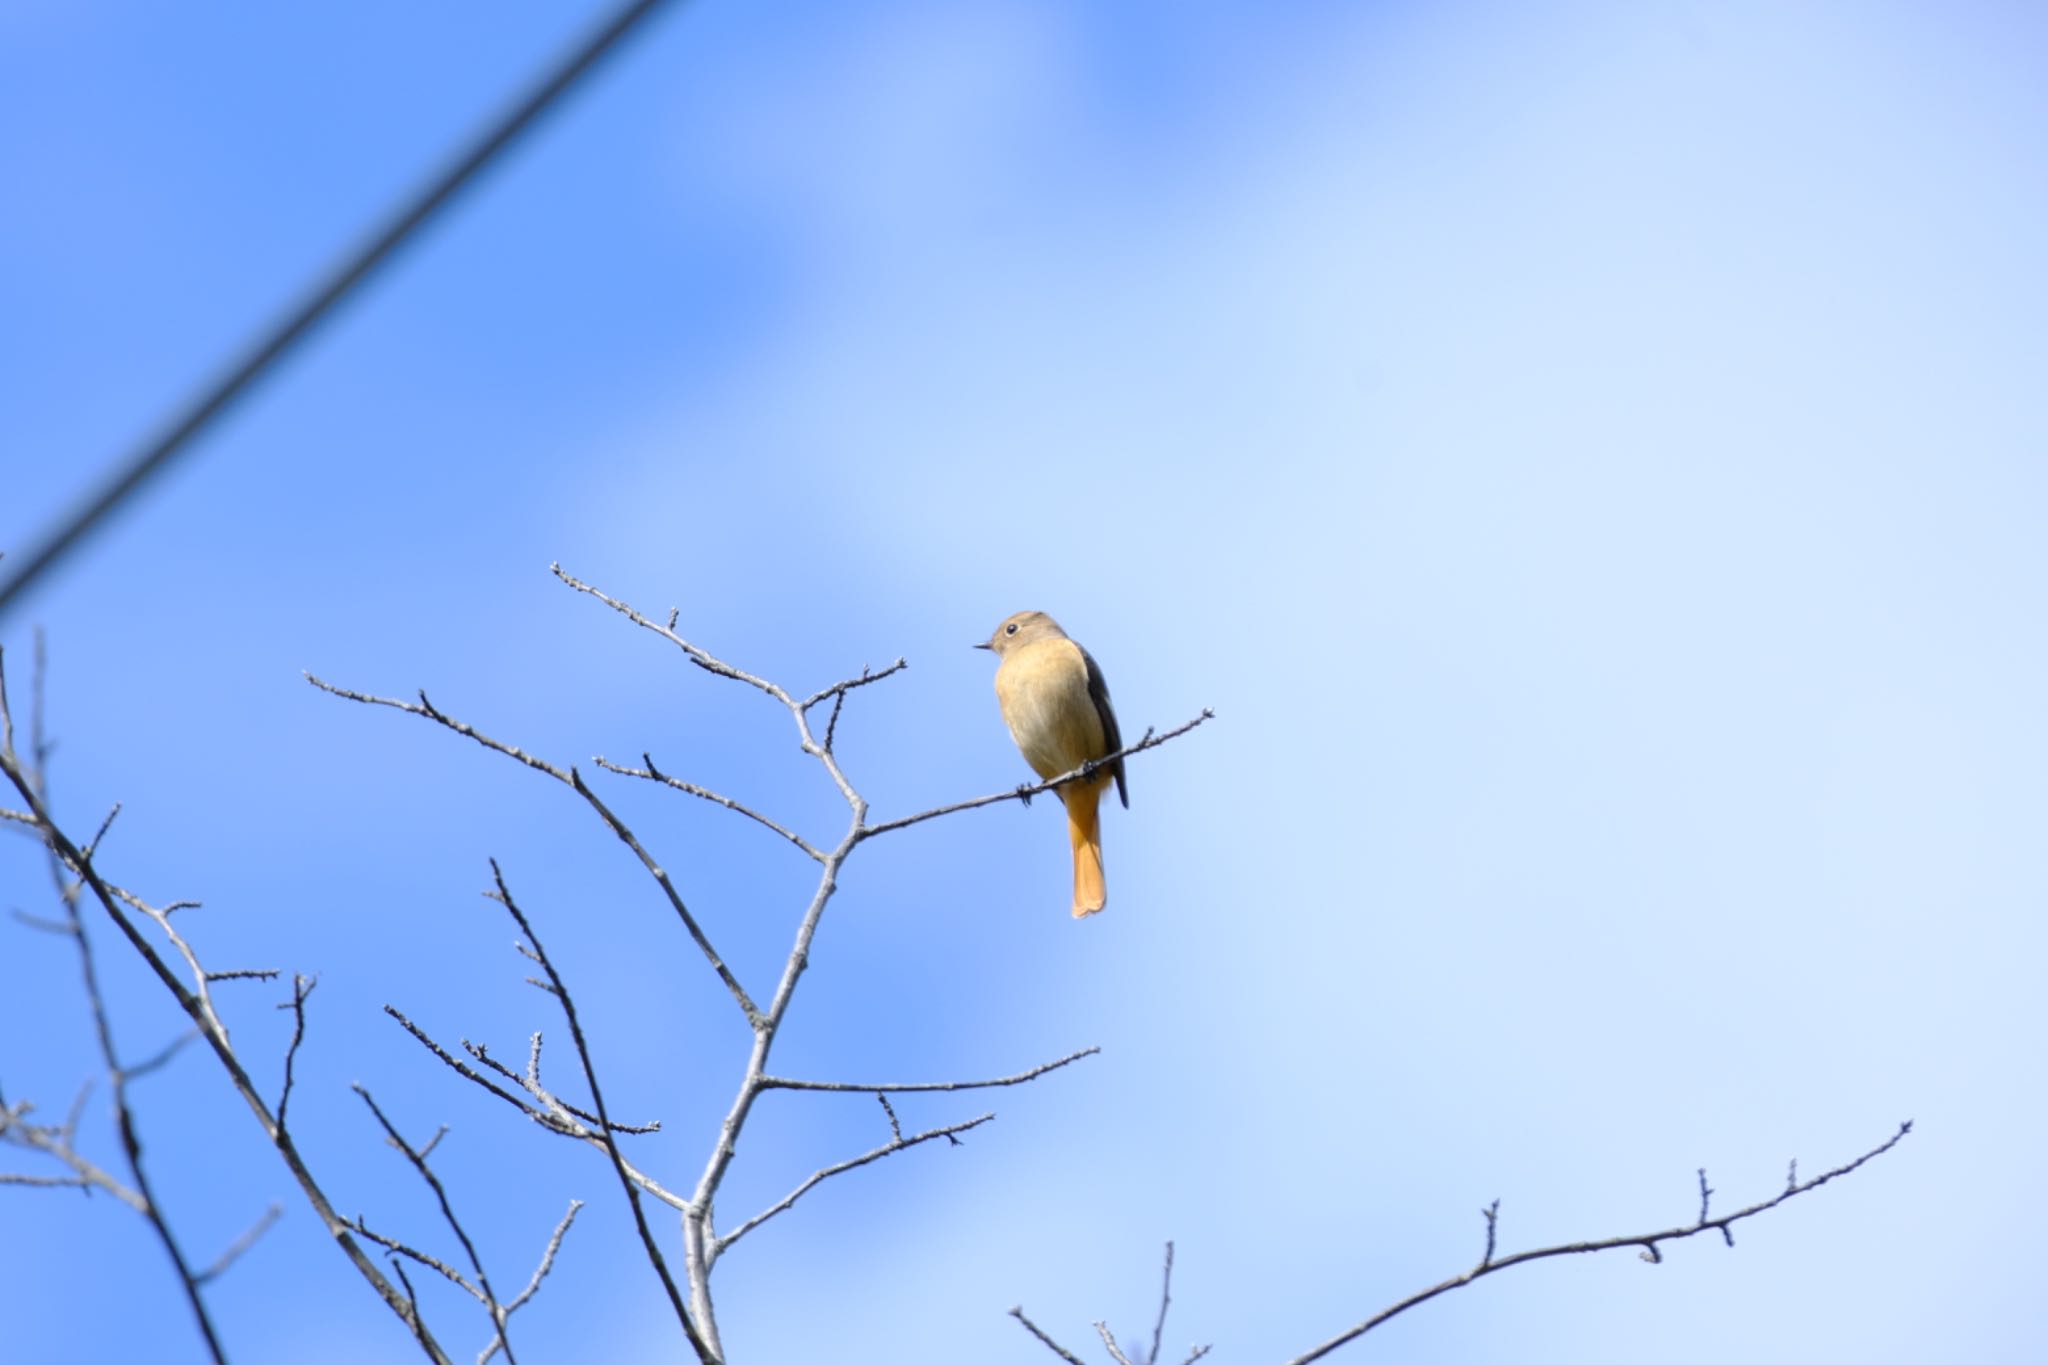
(1591, 458)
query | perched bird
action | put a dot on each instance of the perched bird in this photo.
(1057, 707)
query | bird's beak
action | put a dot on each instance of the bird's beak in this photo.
(984, 644)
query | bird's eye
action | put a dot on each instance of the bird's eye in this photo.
(1010, 629)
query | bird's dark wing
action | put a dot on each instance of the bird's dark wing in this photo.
(1098, 692)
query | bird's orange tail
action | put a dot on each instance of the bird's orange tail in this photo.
(1083, 828)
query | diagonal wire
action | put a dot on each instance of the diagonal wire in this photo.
(321, 299)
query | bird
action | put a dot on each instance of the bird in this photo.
(1057, 707)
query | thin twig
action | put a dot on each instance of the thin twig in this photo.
(896, 1143)
(462, 1068)
(417, 1156)
(1062, 1352)
(66, 1182)
(77, 1110)
(63, 855)
(197, 1005)
(242, 1243)
(840, 689)
(547, 1258)
(1030, 789)
(1165, 1298)
(653, 774)
(412, 1296)
(574, 780)
(503, 896)
(832, 722)
(302, 986)
(40, 744)
(552, 1114)
(92, 845)
(529, 1081)
(1647, 1241)
(163, 1055)
(414, 1254)
(696, 656)
(56, 1143)
(1116, 1352)
(540, 1272)
(897, 1088)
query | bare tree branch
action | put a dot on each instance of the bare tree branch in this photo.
(529, 1081)
(75, 874)
(163, 1055)
(551, 1113)
(896, 1143)
(574, 780)
(65, 855)
(1165, 1299)
(58, 1143)
(540, 1272)
(77, 1182)
(837, 691)
(696, 656)
(92, 845)
(503, 895)
(1648, 1242)
(895, 1124)
(895, 1088)
(241, 1244)
(1062, 1352)
(197, 1004)
(654, 774)
(412, 1253)
(547, 1257)
(481, 1290)
(302, 986)
(463, 1069)
(417, 1157)
(1116, 1352)
(1148, 740)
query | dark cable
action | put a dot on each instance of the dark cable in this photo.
(178, 435)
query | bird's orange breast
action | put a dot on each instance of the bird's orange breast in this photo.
(1043, 690)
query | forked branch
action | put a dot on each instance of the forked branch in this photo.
(897, 1142)
(1647, 1242)
(1117, 1354)
(702, 1243)
(196, 1002)
(560, 991)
